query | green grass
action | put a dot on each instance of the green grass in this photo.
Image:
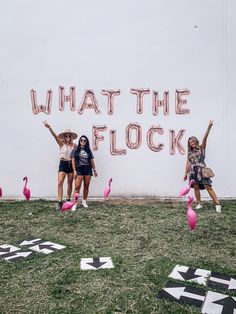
(145, 240)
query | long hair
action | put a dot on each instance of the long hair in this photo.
(193, 138)
(69, 142)
(86, 148)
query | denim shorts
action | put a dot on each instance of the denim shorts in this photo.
(65, 166)
(85, 170)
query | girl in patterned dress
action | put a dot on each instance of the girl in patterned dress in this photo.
(194, 165)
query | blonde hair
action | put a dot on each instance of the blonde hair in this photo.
(64, 139)
(193, 138)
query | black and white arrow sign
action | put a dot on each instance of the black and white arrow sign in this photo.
(31, 242)
(183, 294)
(16, 256)
(190, 274)
(47, 247)
(218, 303)
(222, 281)
(7, 248)
(96, 263)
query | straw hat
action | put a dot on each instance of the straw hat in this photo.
(67, 131)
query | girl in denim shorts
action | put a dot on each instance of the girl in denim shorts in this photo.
(66, 145)
(83, 167)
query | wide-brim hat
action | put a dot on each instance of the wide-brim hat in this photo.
(73, 135)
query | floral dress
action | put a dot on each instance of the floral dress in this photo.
(196, 159)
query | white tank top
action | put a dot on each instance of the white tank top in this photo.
(65, 151)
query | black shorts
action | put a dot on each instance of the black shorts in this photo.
(84, 170)
(65, 166)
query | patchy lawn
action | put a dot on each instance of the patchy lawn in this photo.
(144, 238)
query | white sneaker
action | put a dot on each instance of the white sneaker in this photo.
(84, 204)
(73, 209)
(199, 206)
(218, 208)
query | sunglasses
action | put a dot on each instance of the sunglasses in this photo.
(83, 140)
(68, 135)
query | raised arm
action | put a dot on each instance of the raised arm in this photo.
(59, 142)
(204, 140)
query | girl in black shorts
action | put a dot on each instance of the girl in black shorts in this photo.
(66, 145)
(83, 167)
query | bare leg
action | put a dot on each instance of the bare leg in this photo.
(69, 182)
(197, 193)
(78, 182)
(212, 193)
(86, 186)
(61, 178)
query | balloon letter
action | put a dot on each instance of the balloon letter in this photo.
(41, 108)
(70, 98)
(93, 104)
(179, 102)
(160, 103)
(110, 96)
(150, 133)
(138, 131)
(113, 149)
(139, 92)
(175, 141)
(96, 137)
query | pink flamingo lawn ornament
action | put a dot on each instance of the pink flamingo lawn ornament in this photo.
(68, 205)
(191, 214)
(26, 191)
(0, 192)
(107, 190)
(186, 190)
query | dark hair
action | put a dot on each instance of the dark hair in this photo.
(86, 148)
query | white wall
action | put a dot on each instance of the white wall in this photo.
(156, 44)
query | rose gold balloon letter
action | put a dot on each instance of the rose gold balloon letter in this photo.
(139, 92)
(110, 96)
(138, 133)
(70, 98)
(41, 108)
(95, 135)
(113, 149)
(93, 104)
(179, 102)
(150, 133)
(175, 142)
(156, 103)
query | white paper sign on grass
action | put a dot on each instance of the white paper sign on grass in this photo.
(185, 273)
(47, 247)
(96, 263)
(218, 303)
(7, 248)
